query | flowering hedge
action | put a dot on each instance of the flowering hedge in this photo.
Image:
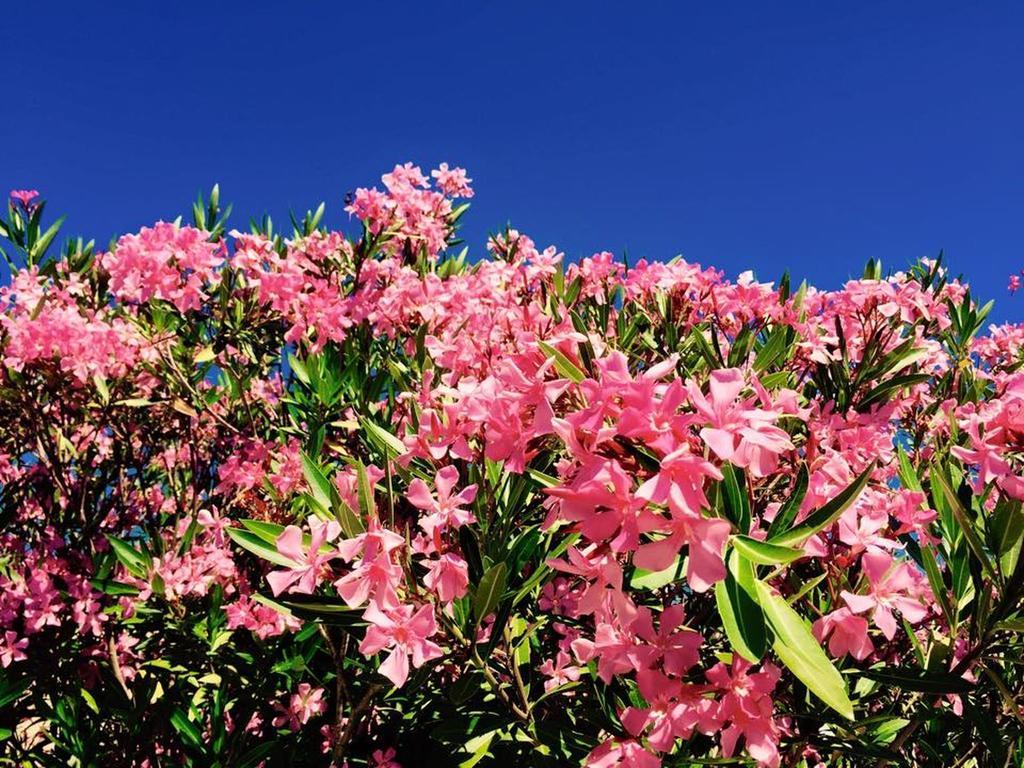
(328, 499)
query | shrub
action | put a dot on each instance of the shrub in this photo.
(361, 500)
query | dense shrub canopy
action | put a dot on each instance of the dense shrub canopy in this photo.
(328, 499)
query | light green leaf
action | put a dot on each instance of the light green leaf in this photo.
(390, 445)
(258, 546)
(800, 652)
(741, 616)
(644, 579)
(563, 365)
(764, 553)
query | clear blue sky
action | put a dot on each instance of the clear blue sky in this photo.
(803, 135)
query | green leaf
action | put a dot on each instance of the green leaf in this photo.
(40, 246)
(935, 581)
(963, 521)
(1011, 625)
(367, 505)
(563, 365)
(763, 553)
(138, 563)
(545, 480)
(825, 515)
(881, 393)
(266, 531)
(188, 730)
(327, 497)
(1007, 526)
(386, 442)
(920, 680)
(773, 348)
(741, 616)
(908, 475)
(116, 588)
(477, 747)
(736, 502)
(319, 485)
(787, 512)
(800, 652)
(644, 579)
(258, 546)
(256, 755)
(489, 591)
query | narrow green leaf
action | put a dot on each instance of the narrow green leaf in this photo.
(489, 591)
(827, 514)
(643, 579)
(908, 475)
(920, 680)
(266, 531)
(787, 512)
(963, 521)
(936, 582)
(258, 546)
(882, 392)
(137, 563)
(764, 553)
(773, 348)
(319, 485)
(367, 504)
(188, 730)
(390, 445)
(563, 365)
(737, 504)
(477, 747)
(742, 618)
(800, 652)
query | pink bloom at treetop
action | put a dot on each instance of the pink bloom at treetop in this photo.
(366, 497)
(24, 197)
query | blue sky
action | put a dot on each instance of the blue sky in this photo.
(802, 135)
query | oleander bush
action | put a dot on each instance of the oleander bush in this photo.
(369, 499)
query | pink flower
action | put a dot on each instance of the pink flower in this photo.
(12, 649)
(558, 671)
(675, 646)
(446, 510)
(737, 432)
(454, 182)
(602, 501)
(405, 631)
(305, 703)
(601, 571)
(385, 758)
(889, 586)
(705, 537)
(846, 633)
(747, 707)
(376, 576)
(621, 754)
(167, 261)
(25, 197)
(308, 562)
(262, 620)
(673, 710)
(448, 576)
